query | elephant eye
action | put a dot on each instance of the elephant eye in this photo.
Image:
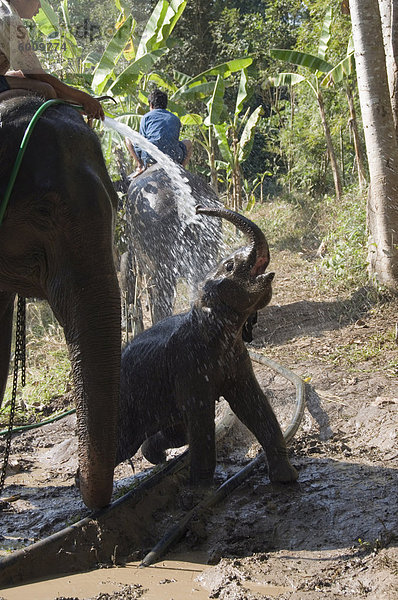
(229, 265)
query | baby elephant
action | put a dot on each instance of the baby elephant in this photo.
(173, 373)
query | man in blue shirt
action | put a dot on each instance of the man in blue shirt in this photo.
(162, 128)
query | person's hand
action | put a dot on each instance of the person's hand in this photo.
(14, 74)
(140, 169)
(92, 107)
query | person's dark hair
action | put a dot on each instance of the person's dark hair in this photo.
(158, 99)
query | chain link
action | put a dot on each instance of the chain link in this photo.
(19, 358)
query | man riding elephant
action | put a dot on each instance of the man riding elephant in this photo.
(162, 128)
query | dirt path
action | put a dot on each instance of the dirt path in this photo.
(333, 534)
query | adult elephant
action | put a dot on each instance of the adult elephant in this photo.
(56, 243)
(166, 241)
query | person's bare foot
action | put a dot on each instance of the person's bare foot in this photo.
(138, 171)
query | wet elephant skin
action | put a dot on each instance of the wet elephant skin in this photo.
(164, 243)
(56, 243)
(173, 373)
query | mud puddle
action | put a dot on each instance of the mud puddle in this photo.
(180, 577)
(334, 534)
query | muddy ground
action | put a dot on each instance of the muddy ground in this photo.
(333, 534)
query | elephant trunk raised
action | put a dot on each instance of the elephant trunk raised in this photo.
(259, 256)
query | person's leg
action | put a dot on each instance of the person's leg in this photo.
(188, 152)
(140, 167)
(20, 85)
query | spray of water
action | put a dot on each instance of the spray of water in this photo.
(183, 192)
(182, 245)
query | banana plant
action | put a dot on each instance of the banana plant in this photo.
(208, 86)
(318, 67)
(153, 43)
(110, 75)
(234, 135)
(340, 73)
(58, 34)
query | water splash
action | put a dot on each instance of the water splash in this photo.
(179, 245)
(185, 200)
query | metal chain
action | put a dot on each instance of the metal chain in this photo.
(19, 358)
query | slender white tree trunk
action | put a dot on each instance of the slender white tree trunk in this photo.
(329, 143)
(356, 139)
(381, 142)
(389, 26)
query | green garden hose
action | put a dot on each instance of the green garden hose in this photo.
(45, 422)
(22, 149)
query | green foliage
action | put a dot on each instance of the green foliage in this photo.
(345, 239)
(304, 158)
(48, 369)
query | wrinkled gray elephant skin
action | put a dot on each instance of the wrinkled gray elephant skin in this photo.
(173, 374)
(56, 243)
(165, 243)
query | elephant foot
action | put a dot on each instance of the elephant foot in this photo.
(153, 451)
(191, 497)
(279, 467)
(201, 481)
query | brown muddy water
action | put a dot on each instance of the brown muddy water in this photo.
(177, 578)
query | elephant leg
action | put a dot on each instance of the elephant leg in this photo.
(199, 414)
(6, 314)
(162, 295)
(86, 301)
(251, 406)
(154, 448)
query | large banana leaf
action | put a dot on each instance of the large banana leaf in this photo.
(191, 119)
(174, 12)
(197, 91)
(341, 70)
(325, 34)
(224, 69)
(215, 105)
(181, 78)
(163, 80)
(111, 55)
(247, 137)
(152, 27)
(72, 47)
(286, 79)
(47, 19)
(221, 131)
(159, 26)
(129, 77)
(242, 92)
(303, 59)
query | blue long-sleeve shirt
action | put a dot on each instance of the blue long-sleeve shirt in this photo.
(162, 128)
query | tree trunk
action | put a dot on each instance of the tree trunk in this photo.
(356, 139)
(330, 147)
(389, 26)
(381, 142)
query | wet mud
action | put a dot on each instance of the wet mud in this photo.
(332, 534)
